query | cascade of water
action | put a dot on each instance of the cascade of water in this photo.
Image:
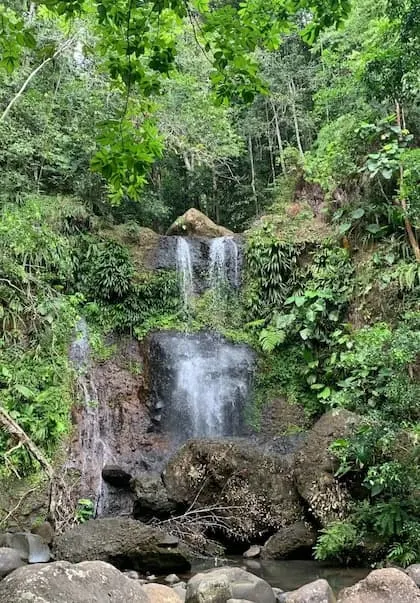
(92, 450)
(224, 263)
(205, 386)
(184, 270)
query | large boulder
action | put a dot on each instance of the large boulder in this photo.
(125, 543)
(151, 498)
(219, 585)
(255, 490)
(315, 466)
(292, 541)
(195, 223)
(90, 581)
(10, 560)
(387, 585)
(318, 591)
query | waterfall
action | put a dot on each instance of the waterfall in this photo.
(91, 452)
(224, 263)
(201, 382)
(184, 271)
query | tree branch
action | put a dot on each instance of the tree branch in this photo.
(30, 77)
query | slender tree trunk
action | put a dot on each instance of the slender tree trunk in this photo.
(327, 107)
(408, 226)
(279, 139)
(270, 145)
(216, 207)
(251, 160)
(292, 90)
(30, 77)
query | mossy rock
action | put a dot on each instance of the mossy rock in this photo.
(23, 502)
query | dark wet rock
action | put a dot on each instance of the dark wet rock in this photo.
(414, 572)
(314, 592)
(150, 497)
(120, 387)
(387, 585)
(315, 466)
(293, 541)
(258, 488)
(253, 552)
(116, 476)
(125, 543)
(10, 560)
(195, 223)
(91, 581)
(225, 583)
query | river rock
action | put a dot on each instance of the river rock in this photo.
(172, 579)
(151, 497)
(315, 466)
(414, 572)
(253, 552)
(90, 581)
(116, 476)
(125, 543)
(181, 590)
(387, 585)
(219, 585)
(195, 223)
(208, 587)
(293, 541)
(318, 591)
(258, 488)
(158, 593)
(277, 593)
(10, 560)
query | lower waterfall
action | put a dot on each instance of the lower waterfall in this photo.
(200, 383)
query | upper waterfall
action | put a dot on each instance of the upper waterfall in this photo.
(185, 271)
(201, 264)
(224, 262)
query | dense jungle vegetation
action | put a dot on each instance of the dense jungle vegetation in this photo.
(297, 122)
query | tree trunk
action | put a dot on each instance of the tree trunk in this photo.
(30, 77)
(251, 160)
(279, 139)
(408, 226)
(292, 90)
(270, 146)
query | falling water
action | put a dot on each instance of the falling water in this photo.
(224, 263)
(202, 383)
(93, 452)
(184, 271)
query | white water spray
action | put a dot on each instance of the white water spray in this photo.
(185, 271)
